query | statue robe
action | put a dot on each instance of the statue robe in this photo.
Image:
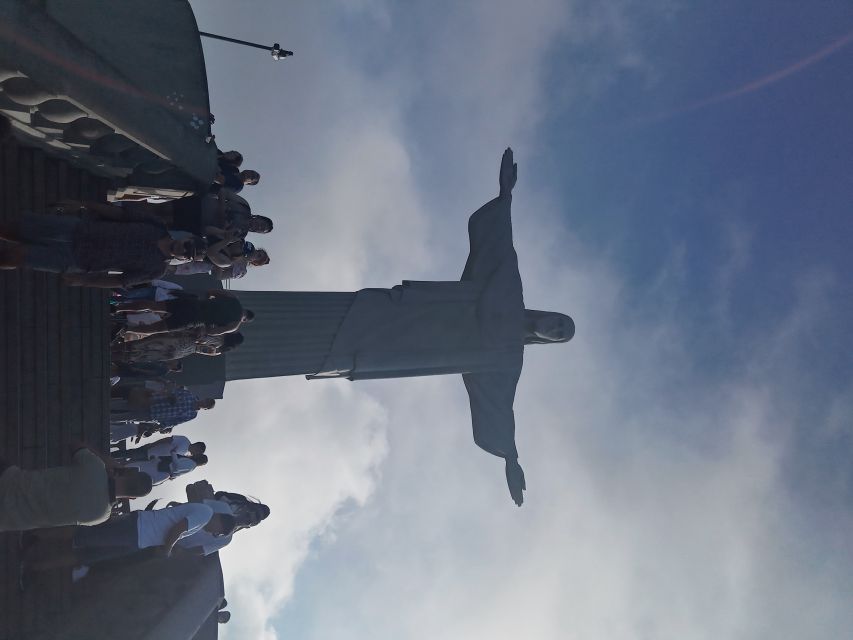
(472, 327)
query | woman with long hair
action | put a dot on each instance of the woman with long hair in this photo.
(247, 512)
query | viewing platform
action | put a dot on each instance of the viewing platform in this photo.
(54, 371)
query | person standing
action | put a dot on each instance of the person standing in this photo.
(217, 313)
(80, 493)
(179, 445)
(167, 407)
(128, 534)
(87, 249)
(247, 512)
(168, 467)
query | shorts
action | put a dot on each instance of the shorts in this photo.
(50, 242)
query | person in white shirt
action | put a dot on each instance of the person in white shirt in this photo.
(162, 468)
(179, 445)
(248, 512)
(202, 542)
(158, 529)
(165, 459)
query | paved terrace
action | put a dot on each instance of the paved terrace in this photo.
(54, 364)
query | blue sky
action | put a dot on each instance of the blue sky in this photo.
(688, 454)
(775, 161)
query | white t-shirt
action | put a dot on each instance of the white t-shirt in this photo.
(153, 526)
(178, 444)
(204, 539)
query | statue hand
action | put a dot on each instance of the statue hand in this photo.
(515, 480)
(508, 174)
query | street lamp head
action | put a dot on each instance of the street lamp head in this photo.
(278, 53)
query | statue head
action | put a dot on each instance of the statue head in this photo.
(546, 327)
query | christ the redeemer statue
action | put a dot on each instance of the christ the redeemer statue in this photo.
(476, 327)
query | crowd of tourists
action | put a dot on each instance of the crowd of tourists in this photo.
(126, 244)
(77, 515)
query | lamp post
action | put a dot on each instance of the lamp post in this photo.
(275, 50)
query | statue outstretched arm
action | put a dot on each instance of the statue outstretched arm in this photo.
(491, 396)
(490, 227)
